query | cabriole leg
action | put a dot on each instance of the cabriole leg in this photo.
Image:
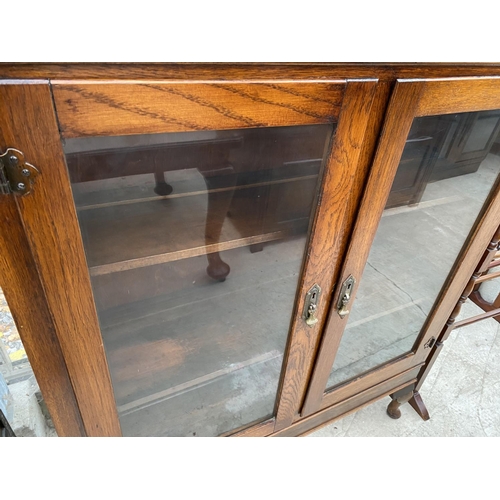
(218, 205)
(399, 398)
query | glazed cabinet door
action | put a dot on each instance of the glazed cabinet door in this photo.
(420, 232)
(178, 228)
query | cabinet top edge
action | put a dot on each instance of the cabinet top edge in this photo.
(231, 71)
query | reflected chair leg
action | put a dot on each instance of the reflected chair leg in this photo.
(161, 187)
(218, 206)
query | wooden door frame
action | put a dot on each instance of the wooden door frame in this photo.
(51, 228)
(28, 122)
(346, 170)
(411, 99)
(23, 290)
(25, 106)
(85, 108)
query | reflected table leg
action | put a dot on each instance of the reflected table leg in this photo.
(220, 185)
(161, 187)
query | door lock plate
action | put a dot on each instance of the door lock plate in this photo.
(345, 296)
(311, 305)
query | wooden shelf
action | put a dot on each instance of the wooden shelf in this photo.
(176, 343)
(91, 204)
(187, 253)
(132, 233)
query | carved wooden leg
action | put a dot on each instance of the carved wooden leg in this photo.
(218, 205)
(496, 305)
(477, 299)
(407, 395)
(399, 398)
(471, 290)
(393, 408)
(161, 187)
(418, 405)
(486, 263)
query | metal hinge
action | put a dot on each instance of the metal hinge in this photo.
(16, 175)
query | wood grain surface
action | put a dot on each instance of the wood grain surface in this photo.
(28, 304)
(124, 99)
(323, 259)
(123, 108)
(465, 95)
(50, 223)
(342, 409)
(361, 383)
(235, 71)
(383, 170)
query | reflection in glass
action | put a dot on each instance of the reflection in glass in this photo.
(21, 401)
(443, 179)
(14, 364)
(194, 243)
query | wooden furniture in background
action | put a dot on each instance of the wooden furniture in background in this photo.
(436, 344)
(467, 143)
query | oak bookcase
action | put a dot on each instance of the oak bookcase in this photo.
(240, 249)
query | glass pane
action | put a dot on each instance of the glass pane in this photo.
(434, 202)
(195, 243)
